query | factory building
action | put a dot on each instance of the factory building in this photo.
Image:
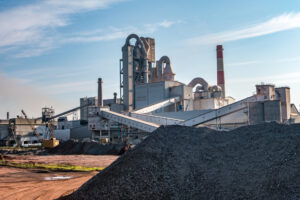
(146, 81)
(151, 96)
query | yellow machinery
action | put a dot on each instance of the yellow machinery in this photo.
(104, 140)
(46, 143)
(50, 143)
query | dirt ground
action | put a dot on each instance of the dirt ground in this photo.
(78, 160)
(25, 184)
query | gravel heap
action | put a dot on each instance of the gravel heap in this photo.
(92, 148)
(175, 162)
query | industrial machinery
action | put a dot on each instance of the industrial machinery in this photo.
(11, 130)
(32, 127)
(48, 118)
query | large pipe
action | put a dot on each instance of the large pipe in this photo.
(100, 95)
(139, 41)
(220, 69)
(200, 81)
(160, 71)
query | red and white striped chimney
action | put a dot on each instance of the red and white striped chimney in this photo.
(220, 69)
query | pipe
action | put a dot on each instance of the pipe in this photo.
(146, 71)
(100, 95)
(200, 81)
(220, 69)
(139, 41)
(160, 71)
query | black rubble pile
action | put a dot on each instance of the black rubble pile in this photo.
(253, 162)
(92, 148)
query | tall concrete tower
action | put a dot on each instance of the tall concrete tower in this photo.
(220, 69)
(100, 95)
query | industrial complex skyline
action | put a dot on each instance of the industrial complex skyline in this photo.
(52, 52)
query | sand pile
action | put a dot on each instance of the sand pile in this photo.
(254, 162)
(92, 148)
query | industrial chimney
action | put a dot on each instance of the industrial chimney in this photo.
(7, 115)
(100, 96)
(220, 69)
(115, 97)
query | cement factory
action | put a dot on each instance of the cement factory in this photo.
(149, 97)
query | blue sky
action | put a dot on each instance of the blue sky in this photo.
(53, 51)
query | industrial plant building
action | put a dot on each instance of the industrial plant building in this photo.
(150, 96)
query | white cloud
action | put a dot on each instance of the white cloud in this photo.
(31, 25)
(243, 63)
(252, 62)
(150, 28)
(276, 24)
(97, 37)
(282, 79)
(31, 30)
(113, 33)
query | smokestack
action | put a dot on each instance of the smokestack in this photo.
(7, 115)
(100, 96)
(115, 97)
(220, 69)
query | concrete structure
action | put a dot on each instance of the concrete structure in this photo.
(84, 111)
(3, 132)
(21, 130)
(138, 67)
(62, 134)
(283, 94)
(265, 92)
(295, 115)
(64, 123)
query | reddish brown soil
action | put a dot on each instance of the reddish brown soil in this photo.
(33, 184)
(78, 160)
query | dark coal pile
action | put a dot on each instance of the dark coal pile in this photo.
(92, 148)
(254, 162)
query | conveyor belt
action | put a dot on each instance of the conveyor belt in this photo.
(211, 115)
(129, 121)
(157, 119)
(158, 105)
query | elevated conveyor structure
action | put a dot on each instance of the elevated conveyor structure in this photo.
(157, 119)
(149, 122)
(231, 108)
(156, 106)
(129, 121)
